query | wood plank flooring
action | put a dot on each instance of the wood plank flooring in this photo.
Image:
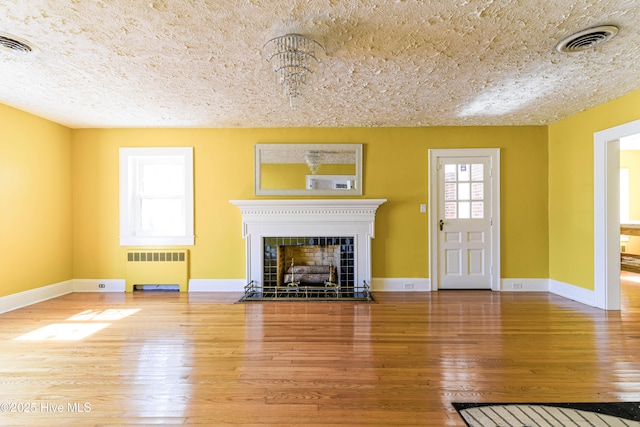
(202, 360)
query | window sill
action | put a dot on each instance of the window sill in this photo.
(156, 241)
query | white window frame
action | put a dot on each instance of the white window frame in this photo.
(129, 159)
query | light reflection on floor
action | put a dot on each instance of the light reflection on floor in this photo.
(630, 277)
(629, 288)
(104, 315)
(63, 332)
(79, 326)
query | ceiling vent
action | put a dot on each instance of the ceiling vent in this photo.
(14, 44)
(586, 39)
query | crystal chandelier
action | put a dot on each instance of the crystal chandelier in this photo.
(293, 58)
(314, 160)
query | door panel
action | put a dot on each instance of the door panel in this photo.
(453, 260)
(476, 236)
(476, 262)
(454, 237)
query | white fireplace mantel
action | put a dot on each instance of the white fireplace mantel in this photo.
(308, 217)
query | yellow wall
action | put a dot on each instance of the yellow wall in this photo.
(42, 164)
(571, 214)
(35, 196)
(547, 194)
(395, 168)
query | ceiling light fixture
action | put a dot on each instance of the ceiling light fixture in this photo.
(294, 58)
(313, 159)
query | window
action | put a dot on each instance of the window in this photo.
(464, 191)
(156, 196)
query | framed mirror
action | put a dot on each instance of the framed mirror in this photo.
(308, 169)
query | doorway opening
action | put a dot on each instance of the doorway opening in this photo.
(607, 214)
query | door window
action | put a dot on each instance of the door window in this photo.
(464, 191)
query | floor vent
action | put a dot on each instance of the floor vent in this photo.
(153, 288)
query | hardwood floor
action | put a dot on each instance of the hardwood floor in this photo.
(201, 359)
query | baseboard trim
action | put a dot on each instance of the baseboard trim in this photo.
(216, 285)
(94, 285)
(195, 285)
(524, 285)
(33, 296)
(572, 292)
(412, 284)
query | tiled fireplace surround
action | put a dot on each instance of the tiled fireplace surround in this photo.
(280, 252)
(347, 222)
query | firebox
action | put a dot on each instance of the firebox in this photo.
(332, 253)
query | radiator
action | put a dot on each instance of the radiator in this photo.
(157, 267)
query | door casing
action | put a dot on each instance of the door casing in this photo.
(434, 250)
(607, 214)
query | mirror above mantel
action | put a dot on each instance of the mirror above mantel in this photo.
(308, 169)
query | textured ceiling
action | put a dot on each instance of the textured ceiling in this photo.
(181, 63)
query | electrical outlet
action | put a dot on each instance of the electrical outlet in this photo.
(408, 285)
(516, 285)
(101, 286)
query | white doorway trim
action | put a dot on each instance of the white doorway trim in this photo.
(434, 155)
(606, 155)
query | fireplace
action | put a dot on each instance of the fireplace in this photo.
(318, 237)
(313, 261)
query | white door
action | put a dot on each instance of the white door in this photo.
(464, 214)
